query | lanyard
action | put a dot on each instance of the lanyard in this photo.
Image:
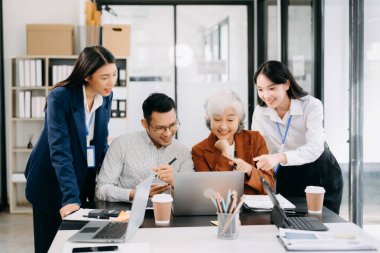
(88, 127)
(283, 138)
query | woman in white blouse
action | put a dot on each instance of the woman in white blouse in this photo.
(291, 122)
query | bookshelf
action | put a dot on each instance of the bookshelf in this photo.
(32, 78)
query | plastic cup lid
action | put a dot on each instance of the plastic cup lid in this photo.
(315, 189)
(162, 198)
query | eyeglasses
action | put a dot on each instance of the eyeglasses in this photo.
(162, 129)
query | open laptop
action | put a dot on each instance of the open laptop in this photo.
(191, 189)
(108, 231)
(279, 218)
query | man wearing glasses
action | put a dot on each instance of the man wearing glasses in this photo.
(131, 157)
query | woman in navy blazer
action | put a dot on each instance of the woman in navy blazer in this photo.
(59, 176)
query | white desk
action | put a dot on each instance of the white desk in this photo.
(257, 238)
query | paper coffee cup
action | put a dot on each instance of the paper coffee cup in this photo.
(162, 205)
(314, 198)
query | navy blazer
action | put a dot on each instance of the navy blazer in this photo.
(57, 167)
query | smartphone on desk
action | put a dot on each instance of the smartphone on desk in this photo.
(103, 213)
(96, 249)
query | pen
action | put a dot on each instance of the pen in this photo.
(223, 205)
(172, 160)
(214, 202)
(233, 202)
(217, 197)
(228, 200)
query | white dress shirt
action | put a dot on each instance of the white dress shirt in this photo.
(306, 136)
(98, 101)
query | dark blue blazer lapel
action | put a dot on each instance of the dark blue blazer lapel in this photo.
(79, 117)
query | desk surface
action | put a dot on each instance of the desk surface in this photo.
(202, 239)
(196, 234)
(247, 217)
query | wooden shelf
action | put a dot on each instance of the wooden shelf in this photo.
(22, 150)
(22, 209)
(28, 119)
(18, 178)
(28, 88)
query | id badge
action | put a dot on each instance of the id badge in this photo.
(91, 156)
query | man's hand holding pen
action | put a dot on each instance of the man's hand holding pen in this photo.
(165, 172)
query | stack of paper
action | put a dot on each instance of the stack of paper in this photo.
(296, 240)
(262, 202)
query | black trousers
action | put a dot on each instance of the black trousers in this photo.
(45, 229)
(46, 225)
(325, 171)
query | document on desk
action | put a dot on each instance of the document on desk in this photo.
(79, 215)
(300, 240)
(82, 215)
(263, 203)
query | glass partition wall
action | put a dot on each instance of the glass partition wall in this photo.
(289, 33)
(187, 52)
(337, 85)
(371, 113)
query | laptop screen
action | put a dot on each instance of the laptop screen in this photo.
(190, 190)
(270, 193)
(138, 206)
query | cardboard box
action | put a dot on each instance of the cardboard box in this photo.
(50, 39)
(117, 39)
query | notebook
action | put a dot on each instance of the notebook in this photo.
(190, 190)
(279, 218)
(108, 231)
(263, 203)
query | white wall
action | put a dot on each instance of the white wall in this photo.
(18, 13)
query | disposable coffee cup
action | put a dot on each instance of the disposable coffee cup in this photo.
(314, 199)
(162, 206)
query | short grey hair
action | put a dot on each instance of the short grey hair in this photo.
(219, 101)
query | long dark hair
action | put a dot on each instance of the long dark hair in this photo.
(89, 61)
(279, 73)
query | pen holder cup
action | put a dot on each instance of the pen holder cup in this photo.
(228, 226)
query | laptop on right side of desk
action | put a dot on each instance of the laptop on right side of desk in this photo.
(279, 218)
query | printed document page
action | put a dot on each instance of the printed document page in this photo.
(262, 202)
(295, 240)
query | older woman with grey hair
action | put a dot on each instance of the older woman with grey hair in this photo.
(230, 147)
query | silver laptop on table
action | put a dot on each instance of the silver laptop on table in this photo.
(108, 231)
(191, 189)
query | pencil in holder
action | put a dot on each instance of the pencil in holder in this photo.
(228, 225)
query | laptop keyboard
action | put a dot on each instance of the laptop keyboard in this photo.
(113, 230)
(303, 223)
